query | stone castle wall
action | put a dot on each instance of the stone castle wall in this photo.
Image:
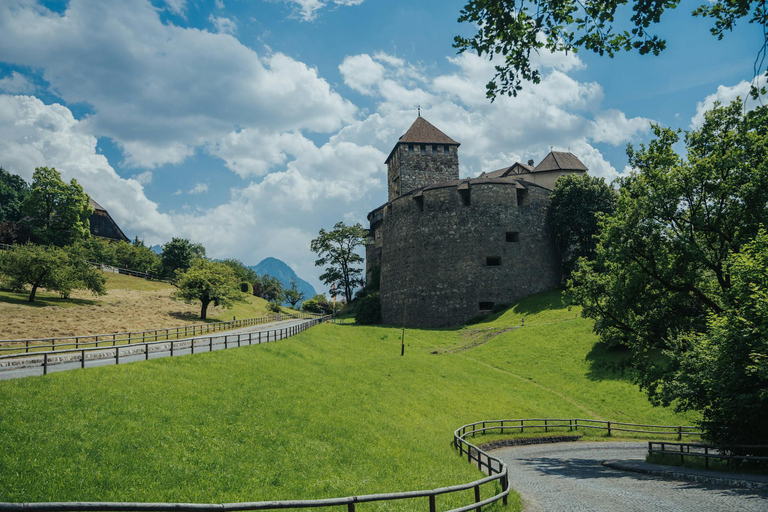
(409, 168)
(437, 249)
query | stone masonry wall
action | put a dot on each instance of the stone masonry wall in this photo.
(408, 171)
(439, 255)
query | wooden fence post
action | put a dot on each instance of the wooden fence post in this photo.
(82, 363)
(609, 429)
(679, 433)
(477, 497)
(432, 507)
(45, 363)
(117, 355)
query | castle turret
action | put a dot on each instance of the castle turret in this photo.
(423, 156)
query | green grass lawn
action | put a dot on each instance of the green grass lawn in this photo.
(331, 412)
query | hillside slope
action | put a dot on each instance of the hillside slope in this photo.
(279, 269)
(333, 411)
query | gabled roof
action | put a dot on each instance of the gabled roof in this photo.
(516, 168)
(424, 132)
(560, 160)
(95, 205)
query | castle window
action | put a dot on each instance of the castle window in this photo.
(434, 148)
(410, 148)
(419, 202)
(493, 261)
(522, 197)
(423, 149)
(464, 196)
(486, 306)
(513, 236)
(446, 149)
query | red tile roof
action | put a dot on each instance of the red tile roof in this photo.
(424, 132)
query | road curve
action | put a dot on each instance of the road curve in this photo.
(570, 477)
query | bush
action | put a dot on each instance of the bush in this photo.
(274, 307)
(368, 310)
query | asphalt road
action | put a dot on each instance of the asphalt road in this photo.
(569, 477)
(28, 366)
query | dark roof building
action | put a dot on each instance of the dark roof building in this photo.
(102, 224)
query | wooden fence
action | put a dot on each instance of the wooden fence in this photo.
(122, 338)
(118, 354)
(574, 424)
(708, 451)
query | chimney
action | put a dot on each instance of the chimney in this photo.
(530, 162)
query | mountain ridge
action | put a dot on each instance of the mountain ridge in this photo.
(282, 271)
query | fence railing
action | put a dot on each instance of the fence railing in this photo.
(27, 346)
(574, 424)
(119, 354)
(708, 451)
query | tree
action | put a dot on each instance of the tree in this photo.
(368, 310)
(292, 295)
(48, 267)
(318, 304)
(664, 260)
(575, 205)
(513, 28)
(268, 288)
(57, 212)
(208, 282)
(13, 191)
(336, 249)
(244, 274)
(178, 254)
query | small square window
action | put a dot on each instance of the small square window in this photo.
(465, 197)
(513, 236)
(410, 148)
(486, 306)
(423, 149)
(522, 197)
(493, 261)
(446, 149)
(419, 202)
(434, 148)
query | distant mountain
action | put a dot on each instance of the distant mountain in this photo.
(157, 249)
(285, 274)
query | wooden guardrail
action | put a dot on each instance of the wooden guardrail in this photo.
(709, 451)
(172, 348)
(27, 346)
(573, 424)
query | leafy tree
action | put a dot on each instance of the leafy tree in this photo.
(663, 264)
(49, 267)
(336, 249)
(13, 191)
(244, 274)
(208, 282)
(318, 304)
(513, 29)
(292, 295)
(368, 310)
(178, 254)
(574, 208)
(57, 212)
(274, 307)
(268, 288)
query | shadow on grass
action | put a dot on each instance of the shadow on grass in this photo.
(608, 363)
(190, 317)
(42, 301)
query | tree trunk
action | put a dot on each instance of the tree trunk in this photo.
(204, 309)
(34, 291)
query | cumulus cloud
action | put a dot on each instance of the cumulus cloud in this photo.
(16, 83)
(223, 25)
(308, 10)
(144, 178)
(160, 90)
(199, 188)
(725, 95)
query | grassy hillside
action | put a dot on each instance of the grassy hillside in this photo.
(334, 411)
(131, 304)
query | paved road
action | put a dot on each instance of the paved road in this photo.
(28, 366)
(569, 477)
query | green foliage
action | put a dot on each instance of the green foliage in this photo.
(48, 267)
(268, 288)
(13, 191)
(574, 208)
(664, 261)
(57, 212)
(512, 29)
(336, 248)
(368, 310)
(120, 254)
(243, 273)
(178, 254)
(318, 304)
(292, 295)
(274, 307)
(208, 282)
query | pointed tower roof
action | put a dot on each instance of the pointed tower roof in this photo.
(424, 132)
(560, 160)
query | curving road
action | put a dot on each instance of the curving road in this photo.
(570, 477)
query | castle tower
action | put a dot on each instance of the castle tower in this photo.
(423, 156)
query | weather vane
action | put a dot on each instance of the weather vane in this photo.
(419, 109)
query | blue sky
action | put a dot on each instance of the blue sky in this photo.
(248, 125)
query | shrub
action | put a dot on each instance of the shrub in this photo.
(368, 310)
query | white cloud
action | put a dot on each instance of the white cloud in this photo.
(144, 178)
(223, 25)
(178, 7)
(219, 4)
(725, 95)
(16, 83)
(199, 188)
(613, 127)
(178, 192)
(362, 73)
(307, 10)
(161, 90)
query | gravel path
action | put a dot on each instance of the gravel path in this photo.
(570, 477)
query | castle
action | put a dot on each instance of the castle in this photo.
(448, 249)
